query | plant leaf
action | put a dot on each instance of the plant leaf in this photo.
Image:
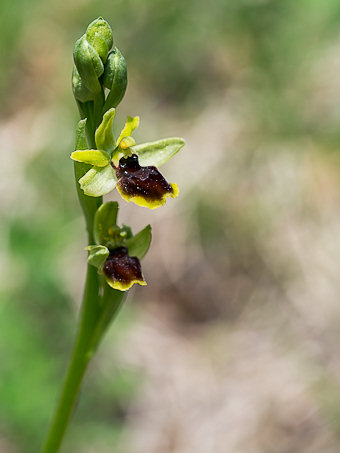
(98, 181)
(104, 134)
(158, 152)
(97, 255)
(91, 156)
(139, 244)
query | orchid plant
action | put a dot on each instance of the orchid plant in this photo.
(101, 164)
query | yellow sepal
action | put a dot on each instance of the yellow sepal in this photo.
(151, 204)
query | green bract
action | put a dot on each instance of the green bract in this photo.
(112, 240)
(102, 177)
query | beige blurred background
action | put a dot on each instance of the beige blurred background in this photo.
(234, 344)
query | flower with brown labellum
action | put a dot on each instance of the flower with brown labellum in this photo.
(144, 185)
(132, 168)
(117, 253)
(121, 270)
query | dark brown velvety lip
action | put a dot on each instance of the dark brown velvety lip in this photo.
(147, 182)
(122, 267)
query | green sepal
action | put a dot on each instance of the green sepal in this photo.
(139, 244)
(132, 122)
(105, 220)
(94, 157)
(81, 142)
(104, 134)
(99, 35)
(97, 255)
(114, 78)
(98, 181)
(88, 63)
(158, 152)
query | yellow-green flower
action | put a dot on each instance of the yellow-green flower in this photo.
(129, 167)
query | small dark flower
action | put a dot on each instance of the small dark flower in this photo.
(118, 252)
(121, 270)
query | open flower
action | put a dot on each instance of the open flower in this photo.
(118, 252)
(129, 167)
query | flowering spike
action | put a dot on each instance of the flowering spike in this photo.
(99, 82)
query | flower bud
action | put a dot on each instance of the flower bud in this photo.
(80, 91)
(88, 63)
(99, 35)
(115, 78)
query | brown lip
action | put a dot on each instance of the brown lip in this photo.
(121, 267)
(147, 182)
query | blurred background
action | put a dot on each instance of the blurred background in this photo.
(234, 344)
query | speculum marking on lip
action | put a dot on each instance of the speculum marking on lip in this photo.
(121, 267)
(147, 182)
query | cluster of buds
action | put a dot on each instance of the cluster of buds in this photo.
(98, 66)
(99, 83)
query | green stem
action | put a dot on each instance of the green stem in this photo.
(112, 301)
(77, 367)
